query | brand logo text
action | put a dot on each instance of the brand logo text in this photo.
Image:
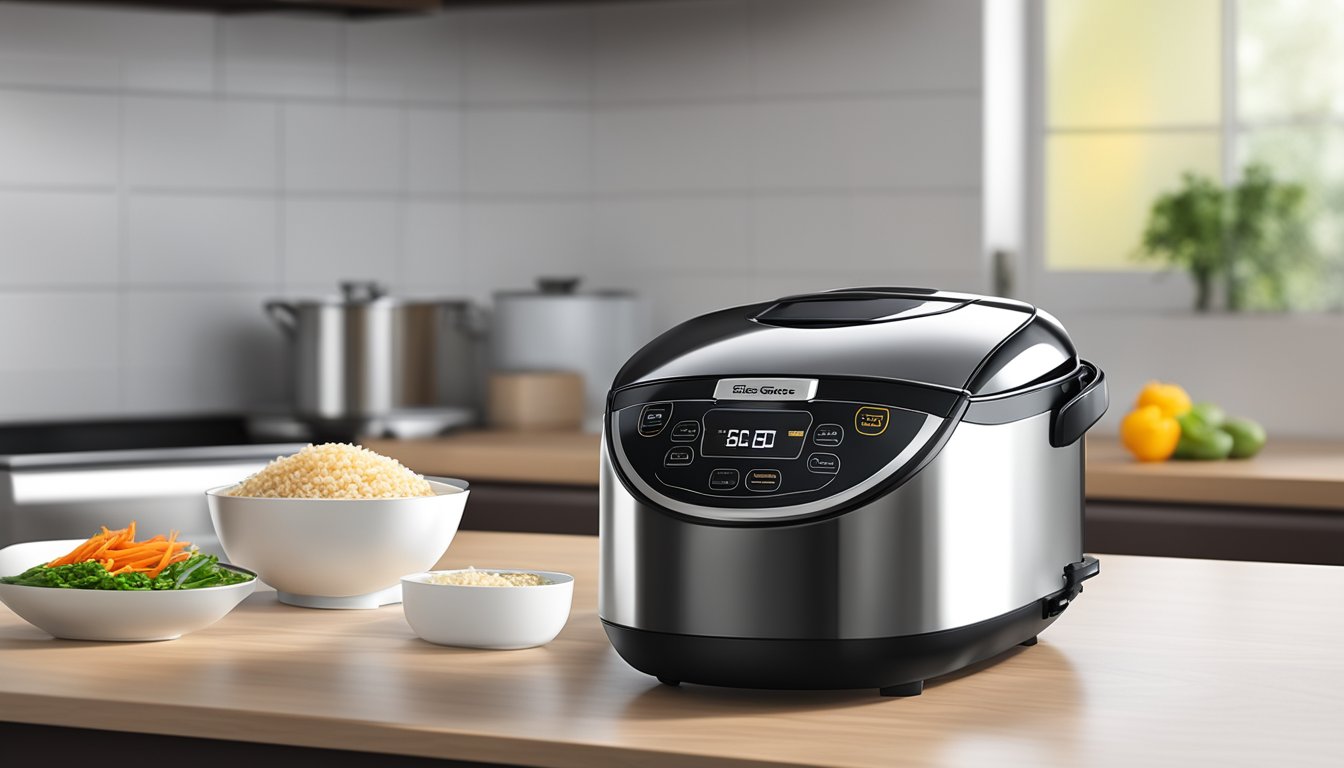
(743, 389)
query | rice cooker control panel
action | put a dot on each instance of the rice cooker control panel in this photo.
(749, 454)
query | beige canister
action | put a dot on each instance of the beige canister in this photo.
(540, 400)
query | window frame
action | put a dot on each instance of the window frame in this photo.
(1124, 290)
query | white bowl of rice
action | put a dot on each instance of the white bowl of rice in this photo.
(335, 525)
(499, 609)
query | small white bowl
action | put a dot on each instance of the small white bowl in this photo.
(499, 618)
(107, 615)
(337, 553)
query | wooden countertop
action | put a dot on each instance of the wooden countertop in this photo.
(1300, 474)
(559, 458)
(1160, 662)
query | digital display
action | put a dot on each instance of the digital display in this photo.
(770, 434)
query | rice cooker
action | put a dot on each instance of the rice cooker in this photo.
(864, 488)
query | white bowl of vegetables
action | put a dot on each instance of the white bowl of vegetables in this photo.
(67, 588)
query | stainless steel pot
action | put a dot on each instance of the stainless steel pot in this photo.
(366, 355)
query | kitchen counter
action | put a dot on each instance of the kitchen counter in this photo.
(498, 456)
(1294, 474)
(1160, 662)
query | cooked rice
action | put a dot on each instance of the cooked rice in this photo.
(474, 578)
(334, 471)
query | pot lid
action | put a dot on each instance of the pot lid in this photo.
(561, 288)
(977, 344)
(371, 293)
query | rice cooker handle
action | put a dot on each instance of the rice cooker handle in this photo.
(1081, 411)
(1074, 576)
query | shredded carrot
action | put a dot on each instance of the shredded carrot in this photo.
(119, 552)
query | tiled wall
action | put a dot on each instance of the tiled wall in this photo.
(163, 173)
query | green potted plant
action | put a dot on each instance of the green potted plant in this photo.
(1253, 235)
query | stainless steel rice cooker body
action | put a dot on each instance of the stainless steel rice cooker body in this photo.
(860, 488)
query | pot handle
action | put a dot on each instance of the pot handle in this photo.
(475, 321)
(1076, 416)
(284, 314)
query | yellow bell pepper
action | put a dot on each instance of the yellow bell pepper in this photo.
(1150, 433)
(1169, 397)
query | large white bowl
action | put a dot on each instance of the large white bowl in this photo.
(337, 553)
(500, 618)
(107, 615)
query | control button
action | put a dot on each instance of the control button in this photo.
(871, 420)
(685, 431)
(723, 479)
(680, 456)
(823, 463)
(763, 480)
(653, 418)
(828, 434)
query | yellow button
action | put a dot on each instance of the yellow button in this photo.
(871, 420)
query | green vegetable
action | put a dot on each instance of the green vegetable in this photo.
(1201, 442)
(1248, 437)
(193, 573)
(1209, 413)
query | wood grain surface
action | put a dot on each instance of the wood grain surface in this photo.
(1160, 662)
(1298, 474)
(558, 458)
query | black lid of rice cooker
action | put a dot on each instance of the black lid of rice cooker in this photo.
(976, 345)
(812, 405)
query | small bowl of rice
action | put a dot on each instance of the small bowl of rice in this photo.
(336, 525)
(494, 608)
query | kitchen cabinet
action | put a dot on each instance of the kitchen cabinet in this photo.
(1159, 662)
(531, 508)
(1219, 532)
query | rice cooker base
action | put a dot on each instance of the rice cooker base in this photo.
(896, 665)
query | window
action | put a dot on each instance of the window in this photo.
(1133, 93)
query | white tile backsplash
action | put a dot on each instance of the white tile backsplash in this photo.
(162, 173)
(433, 157)
(106, 48)
(673, 49)
(343, 148)
(860, 46)
(927, 231)
(433, 256)
(905, 142)
(207, 351)
(58, 238)
(670, 235)
(327, 241)
(527, 151)
(59, 331)
(201, 144)
(510, 244)
(202, 240)
(673, 148)
(58, 138)
(405, 59)
(527, 54)
(282, 55)
(870, 238)
(38, 395)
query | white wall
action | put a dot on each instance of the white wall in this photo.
(162, 173)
